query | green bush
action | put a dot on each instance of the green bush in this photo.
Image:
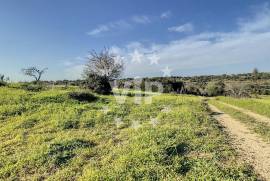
(215, 88)
(99, 84)
(2, 83)
(32, 87)
(193, 89)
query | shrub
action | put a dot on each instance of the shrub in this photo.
(215, 88)
(32, 87)
(99, 84)
(82, 96)
(2, 83)
(192, 89)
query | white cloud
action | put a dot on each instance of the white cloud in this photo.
(98, 30)
(188, 27)
(120, 24)
(261, 22)
(166, 15)
(142, 19)
(248, 44)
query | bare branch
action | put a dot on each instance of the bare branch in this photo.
(34, 72)
(103, 64)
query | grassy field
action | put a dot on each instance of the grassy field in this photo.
(53, 135)
(260, 105)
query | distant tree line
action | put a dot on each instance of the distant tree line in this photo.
(103, 71)
(240, 85)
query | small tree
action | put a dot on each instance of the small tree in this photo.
(34, 72)
(102, 68)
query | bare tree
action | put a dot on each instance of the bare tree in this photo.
(104, 64)
(34, 72)
(102, 68)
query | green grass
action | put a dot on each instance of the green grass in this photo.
(260, 106)
(261, 128)
(49, 135)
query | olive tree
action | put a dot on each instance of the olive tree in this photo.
(34, 72)
(100, 69)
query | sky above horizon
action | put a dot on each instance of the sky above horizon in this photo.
(151, 37)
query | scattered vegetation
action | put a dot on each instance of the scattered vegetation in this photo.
(52, 136)
(32, 87)
(69, 133)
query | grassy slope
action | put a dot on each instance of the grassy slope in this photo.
(261, 128)
(260, 106)
(49, 136)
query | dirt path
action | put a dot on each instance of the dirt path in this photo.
(251, 148)
(249, 113)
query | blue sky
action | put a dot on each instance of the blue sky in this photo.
(151, 37)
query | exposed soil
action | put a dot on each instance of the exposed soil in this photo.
(251, 148)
